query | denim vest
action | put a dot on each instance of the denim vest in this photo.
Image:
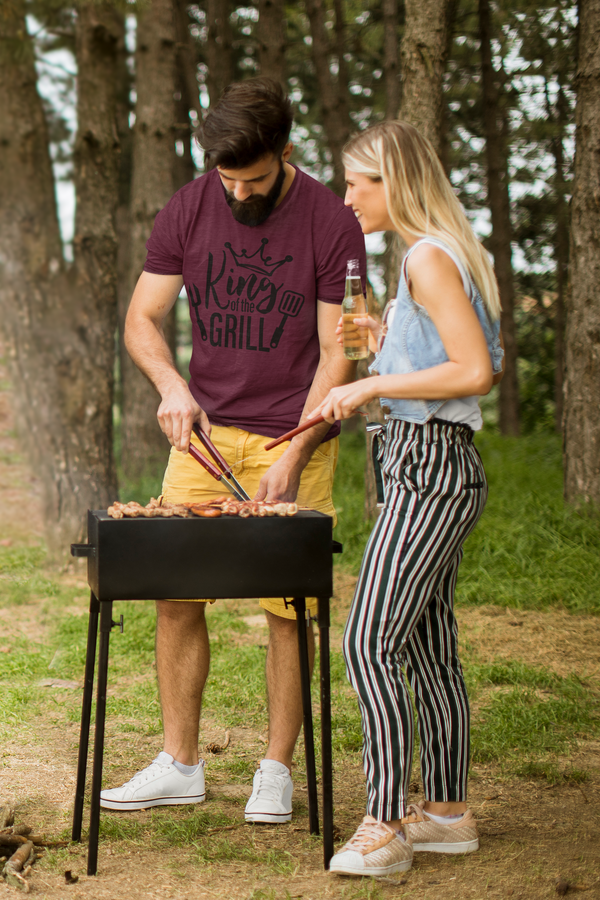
(412, 342)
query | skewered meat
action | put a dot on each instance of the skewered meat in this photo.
(153, 509)
(245, 508)
(226, 506)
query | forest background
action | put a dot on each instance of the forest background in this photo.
(100, 101)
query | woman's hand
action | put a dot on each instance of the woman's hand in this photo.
(342, 402)
(363, 322)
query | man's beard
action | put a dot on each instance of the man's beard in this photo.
(257, 208)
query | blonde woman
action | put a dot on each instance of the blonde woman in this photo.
(439, 351)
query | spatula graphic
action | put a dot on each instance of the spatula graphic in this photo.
(289, 307)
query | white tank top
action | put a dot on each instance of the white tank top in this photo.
(460, 409)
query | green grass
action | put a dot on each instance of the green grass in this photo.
(348, 498)
(529, 550)
(532, 715)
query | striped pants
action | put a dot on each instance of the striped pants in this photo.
(402, 615)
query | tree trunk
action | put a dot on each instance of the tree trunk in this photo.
(561, 255)
(123, 214)
(59, 324)
(343, 78)
(270, 34)
(187, 59)
(143, 445)
(582, 395)
(186, 96)
(496, 144)
(336, 121)
(423, 54)
(390, 58)
(219, 53)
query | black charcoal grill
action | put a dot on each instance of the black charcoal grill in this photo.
(175, 558)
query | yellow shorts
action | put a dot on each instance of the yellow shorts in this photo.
(186, 480)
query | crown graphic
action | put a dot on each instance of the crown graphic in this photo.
(258, 261)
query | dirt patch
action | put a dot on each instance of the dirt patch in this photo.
(554, 639)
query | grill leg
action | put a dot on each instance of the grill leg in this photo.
(309, 739)
(326, 750)
(105, 626)
(86, 713)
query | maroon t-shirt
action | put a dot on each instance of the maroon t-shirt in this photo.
(253, 295)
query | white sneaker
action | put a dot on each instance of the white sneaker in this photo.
(272, 790)
(375, 849)
(160, 784)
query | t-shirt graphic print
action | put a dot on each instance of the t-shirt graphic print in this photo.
(243, 284)
(253, 295)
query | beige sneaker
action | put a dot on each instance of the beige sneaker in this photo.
(375, 849)
(427, 835)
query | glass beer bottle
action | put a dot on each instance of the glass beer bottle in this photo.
(355, 338)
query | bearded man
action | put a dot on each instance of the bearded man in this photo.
(261, 249)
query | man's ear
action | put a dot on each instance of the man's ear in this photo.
(287, 151)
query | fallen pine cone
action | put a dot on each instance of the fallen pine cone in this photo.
(218, 748)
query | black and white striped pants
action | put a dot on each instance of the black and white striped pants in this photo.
(402, 615)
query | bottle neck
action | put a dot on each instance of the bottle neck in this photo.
(353, 286)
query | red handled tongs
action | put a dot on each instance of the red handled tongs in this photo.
(221, 472)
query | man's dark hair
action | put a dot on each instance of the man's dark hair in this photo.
(251, 119)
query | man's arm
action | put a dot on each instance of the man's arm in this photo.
(152, 300)
(282, 480)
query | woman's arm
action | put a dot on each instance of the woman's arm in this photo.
(435, 284)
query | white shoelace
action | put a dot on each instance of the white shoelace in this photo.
(145, 774)
(271, 791)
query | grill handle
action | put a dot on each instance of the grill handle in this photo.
(336, 547)
(83, 550)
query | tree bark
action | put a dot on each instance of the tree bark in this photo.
(186, 98)
(582, 395)
(496, 145)
(271, 39)
(219, 52)
(390, 58)
(187, 59)
(123, 214)
(59, 323)
(143, 445)
(423, 53)
(336, 121)
(561, 255)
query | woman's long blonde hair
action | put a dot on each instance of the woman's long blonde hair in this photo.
(419, 197)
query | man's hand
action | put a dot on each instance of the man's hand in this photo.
(152, 299)
(177, 413)
(281, 481)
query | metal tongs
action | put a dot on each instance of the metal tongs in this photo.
(223, 473)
